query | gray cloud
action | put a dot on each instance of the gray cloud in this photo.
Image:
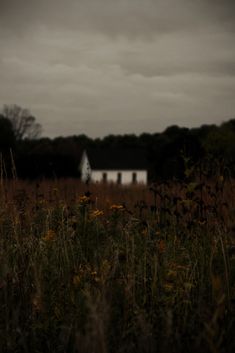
(116, 17)
(102, 66)
(217, 62)
(221, 11)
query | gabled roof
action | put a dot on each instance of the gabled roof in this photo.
(117, 159)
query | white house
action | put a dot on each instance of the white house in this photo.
(115, 166)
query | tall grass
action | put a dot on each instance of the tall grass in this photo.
(116, 269)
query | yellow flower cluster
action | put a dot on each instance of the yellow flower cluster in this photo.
(83, 275)
(95, 277)
(76, 280)
(83, 199)
(49, 236)
(97, 213)
(116, 207)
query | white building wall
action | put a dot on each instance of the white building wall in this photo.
(126, 176)
(85, 168)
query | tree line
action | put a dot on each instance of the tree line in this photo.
(172, 153)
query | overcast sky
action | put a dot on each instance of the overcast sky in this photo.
(118, 66)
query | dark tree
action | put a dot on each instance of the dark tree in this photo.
(7, 137)
(23, 123)
(7, 145)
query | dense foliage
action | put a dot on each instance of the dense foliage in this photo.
(166, 152)
(114, 269)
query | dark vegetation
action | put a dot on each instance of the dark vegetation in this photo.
(105, 268)
(211, 146)
(114, 269)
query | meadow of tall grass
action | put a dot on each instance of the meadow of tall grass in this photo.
(105, 268)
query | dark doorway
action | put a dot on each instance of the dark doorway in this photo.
(104, 177)
(134, 178)
(119, 178)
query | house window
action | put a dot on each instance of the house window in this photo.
(119, 178)
(134, 178)
(104, 176)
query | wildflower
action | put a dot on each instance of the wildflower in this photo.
(168, 287)
(97, 213)
(76, 280)
(105, 268)
(42, 202)
(171, 274)
(37, 302)
(187, 203)
(117, 207)
(182, 267)
(145, 232)
(49, 236)
(83, 199)
(161, 246)
(95, 277)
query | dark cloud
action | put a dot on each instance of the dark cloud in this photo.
(115, 17)
(146, 63)
(221, 11)
(153, 69)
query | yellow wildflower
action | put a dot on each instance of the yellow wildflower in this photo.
(83, 199)
(145, 232)
(182, 267)
(37, 302)
(105, 268)
(116, 207)
(168, 287)
(76, 280)
(95, 277)
(49, 236)
(171, 274)
(97, 213)
(161, 246)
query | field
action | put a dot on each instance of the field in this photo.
(102, 268)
